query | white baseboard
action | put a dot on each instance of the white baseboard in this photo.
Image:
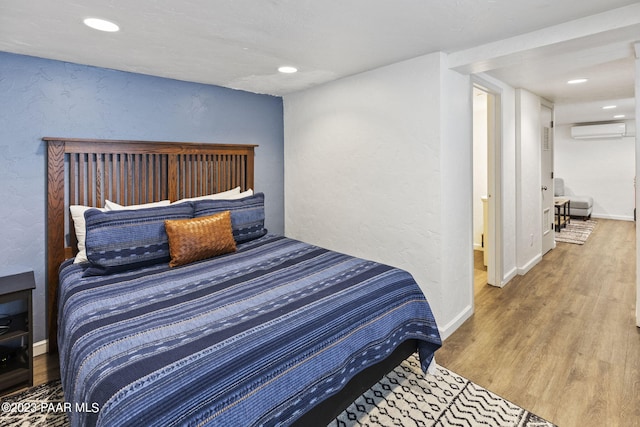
(615, 217)
(40, 347)
(509, 276)
(528, 266)
(450, 327)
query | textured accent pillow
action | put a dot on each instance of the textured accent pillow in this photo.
(127, 239)
(247, 215)
(194, 239)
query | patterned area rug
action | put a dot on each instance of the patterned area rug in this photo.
(39, 406)
(577, 231)
(404, 397)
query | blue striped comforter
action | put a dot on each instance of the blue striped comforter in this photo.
(256, 337)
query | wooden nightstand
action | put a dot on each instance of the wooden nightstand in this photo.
(16, 331)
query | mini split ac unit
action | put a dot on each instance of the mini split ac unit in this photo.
(599, 131)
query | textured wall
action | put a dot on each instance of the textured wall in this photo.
(50, 98)
(364, 160)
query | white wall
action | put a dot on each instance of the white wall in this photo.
(603, 169)
(456, 147)
(378, 165)
(528, 181)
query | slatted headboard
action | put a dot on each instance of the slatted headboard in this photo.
(89, 171)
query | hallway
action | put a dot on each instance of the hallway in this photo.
(561, 341)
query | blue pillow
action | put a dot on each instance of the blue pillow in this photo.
(127, 239)
(247, 215)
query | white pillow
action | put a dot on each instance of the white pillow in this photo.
(242, 195)
(112, 206)
(229, 194)
(77, 214)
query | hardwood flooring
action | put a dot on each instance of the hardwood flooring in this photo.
(561, 340)
(45, 368)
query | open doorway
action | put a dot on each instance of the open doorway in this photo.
(487, 228)
(480, 188)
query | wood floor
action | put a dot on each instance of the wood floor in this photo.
(561, 341)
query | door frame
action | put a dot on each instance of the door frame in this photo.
(551, 191)
(495, 274)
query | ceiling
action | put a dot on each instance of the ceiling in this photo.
(240, 43)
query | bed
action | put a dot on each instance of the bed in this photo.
(267, 331)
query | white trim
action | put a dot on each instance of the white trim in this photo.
(528, 266)
(494, 239)
(451, 327)
(510, 275)
(40, 348)
(605, 216)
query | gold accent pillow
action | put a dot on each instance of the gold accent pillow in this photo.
(199, 238)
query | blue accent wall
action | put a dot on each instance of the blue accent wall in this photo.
(40, 97)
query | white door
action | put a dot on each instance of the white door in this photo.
(546, 147)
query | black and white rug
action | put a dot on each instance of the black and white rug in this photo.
(404, 397)
(576, 232)
(39, 406)
(407, 397)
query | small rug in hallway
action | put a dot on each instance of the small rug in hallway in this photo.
(577, 231)
(404, 397)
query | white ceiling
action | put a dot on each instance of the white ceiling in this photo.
(240, 43)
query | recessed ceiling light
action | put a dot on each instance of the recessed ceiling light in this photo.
(577, 81)
(609, 107)
(288, 69)
(101, 25)
(619, 116)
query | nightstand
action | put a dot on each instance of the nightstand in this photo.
(16, 331)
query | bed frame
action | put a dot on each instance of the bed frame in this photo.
(89, 171)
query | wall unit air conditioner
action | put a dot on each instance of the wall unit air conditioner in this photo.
(599, 131)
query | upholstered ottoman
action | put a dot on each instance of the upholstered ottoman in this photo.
(580, 206)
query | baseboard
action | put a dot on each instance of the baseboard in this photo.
(451, 327)
(614, 217)
(509, 276)
(528, 266)
(40, 348)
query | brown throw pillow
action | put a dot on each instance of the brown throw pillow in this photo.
(199, 238)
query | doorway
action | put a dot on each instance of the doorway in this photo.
(546, 175)
(486, 184)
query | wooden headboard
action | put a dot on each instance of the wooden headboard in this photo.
(89, 171)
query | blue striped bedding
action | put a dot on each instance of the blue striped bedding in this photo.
(256, 337)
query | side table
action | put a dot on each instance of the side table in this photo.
(562, 212)
(16, 331)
